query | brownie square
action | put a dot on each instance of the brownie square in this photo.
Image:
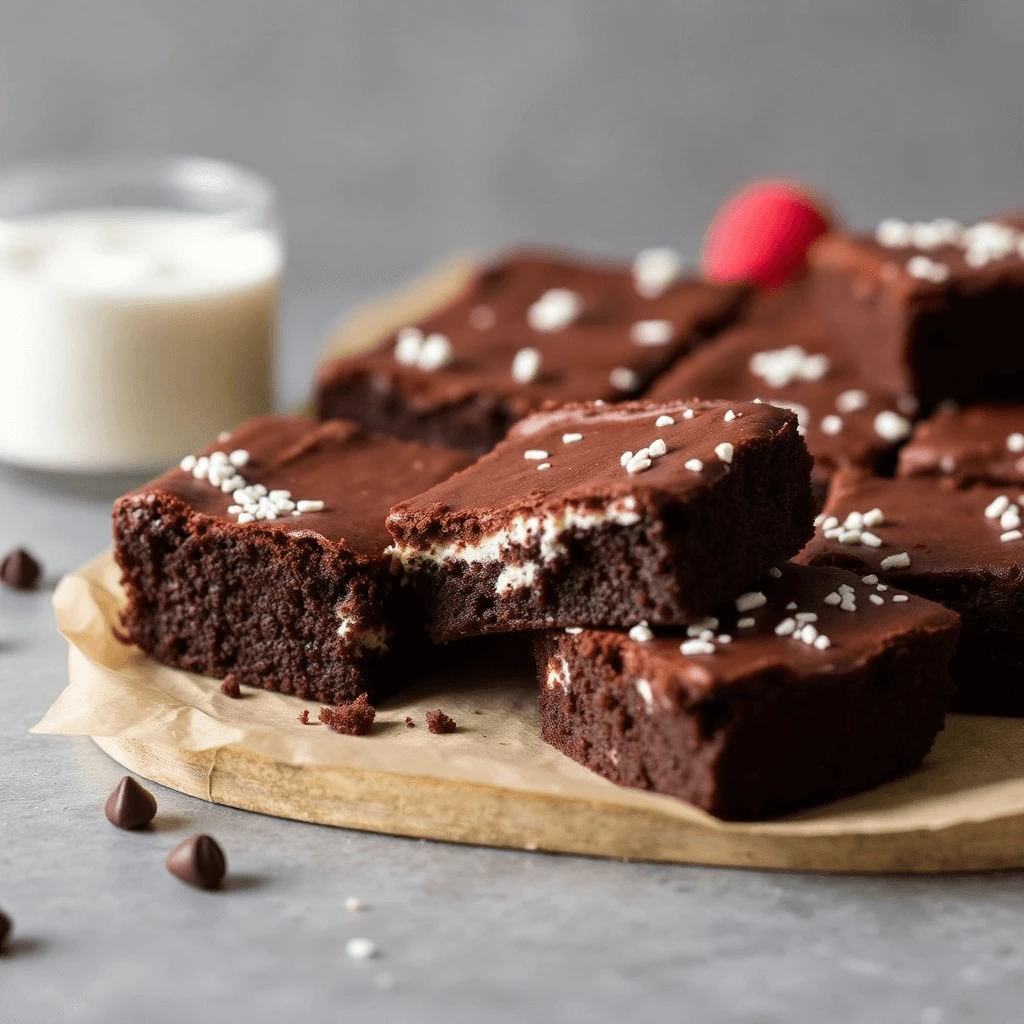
(533, 326)
(264, 558)
(592, 514)
(782, 353)
(801, 691)
(964, 549)
(980, 444)
(933, 309)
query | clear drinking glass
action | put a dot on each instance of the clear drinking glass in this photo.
(138, 310)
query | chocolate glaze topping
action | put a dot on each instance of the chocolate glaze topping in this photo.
(489, 323)
(838, 409)
(756, 656)
(980, 444)
(357, 475)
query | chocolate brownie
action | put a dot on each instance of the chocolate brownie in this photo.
(533, 326)
(933, 309)
(591, 514)
(980, 444)
(964, 549)
(802, 690)
(263, 558)
(782, 353)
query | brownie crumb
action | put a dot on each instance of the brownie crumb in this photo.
(19, 570)
(304, 717)
(439, 723)
(409, 723)
(354, 718)
(230, 687)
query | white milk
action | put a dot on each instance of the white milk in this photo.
(128, 338)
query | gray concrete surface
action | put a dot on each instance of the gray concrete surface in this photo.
(104, 935)
(398, 131)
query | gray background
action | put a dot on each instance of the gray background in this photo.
(397, 132)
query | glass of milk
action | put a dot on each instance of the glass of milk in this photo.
(138, 310)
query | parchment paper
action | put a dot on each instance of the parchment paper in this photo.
(975, 773)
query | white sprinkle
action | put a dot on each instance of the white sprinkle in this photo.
(435, 353)
(1010, 519)
(574, 630)
(1011, 535)
(623, 378)
(535, 453)
(775, 572)
(651, 332)
(696, 647)
(808, 634)
(780, 367)
(852, 400)
(900, 598)
(218, 458)
(872, 540)
(900, 561)
(245, 517)
(729, 416)
(638, 465)
(876, 599)
(700, 626)
(874, 517)
(925, 269)
(832, 599)
(352, 905)
(360, 949)
(305, 505)
(822, 643)
(555, 310)
(657, 448)
(871, 579)
(693, 465)
(791, 607)
(544, 465)
(997, 507)
(724, 451)
(188, 463)
(723, 638)
(688, 414)
(745, 623)
(893, 232)
(751, 600)
(625, 458)
(803, 617)
(831, 424)
(526, 365)
(201, 468)
(882, 588)
(571, 438)
(641, 633)
(1015, 443)
(655, 270)
(239, 458)
(891, 426)
(408, 346)
(829, 523)
(664, 421)
(786, 627)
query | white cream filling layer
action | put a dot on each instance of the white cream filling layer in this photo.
(558, 674)
(523, 534)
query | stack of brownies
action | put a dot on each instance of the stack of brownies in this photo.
(653, 450)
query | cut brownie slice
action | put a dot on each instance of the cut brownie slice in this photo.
(593, 514)
(803, 690)
(980, 444)
(532, 327)
(782, 353)
(933, 309)
(964, 549)
(265, 558)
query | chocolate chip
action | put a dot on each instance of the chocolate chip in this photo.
(130, 806)
(19, 570)
(199, 861)
(440, 723)
(5, 928)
